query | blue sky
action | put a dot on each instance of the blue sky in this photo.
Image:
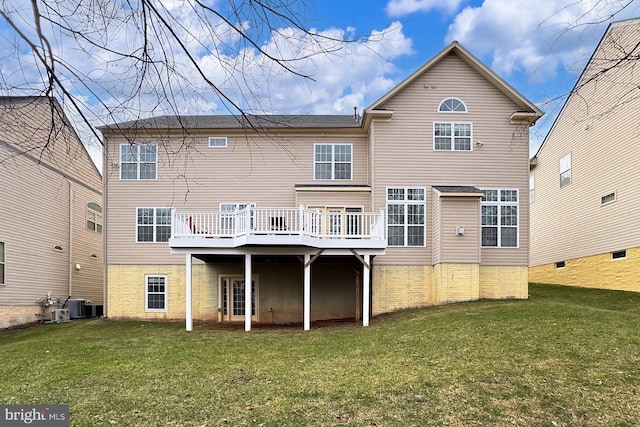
(538, 47)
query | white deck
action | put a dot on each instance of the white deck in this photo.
(254, 226)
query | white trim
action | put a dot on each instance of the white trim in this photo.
(165, 293)
(221, 139)
(137, 162)
(453, 143)
(405, 225)
(564, 166)
(333, 161)
(154, 225)
(3, 263)
(466, 110)
(499, 204)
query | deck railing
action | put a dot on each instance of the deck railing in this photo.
(252, 220)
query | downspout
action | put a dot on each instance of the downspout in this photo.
(71, 196)
(105, 229)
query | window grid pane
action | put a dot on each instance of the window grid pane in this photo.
(452, 136)
(406, 216)
(138, 162)
(156, 292)
(499, 218)
(153, 225)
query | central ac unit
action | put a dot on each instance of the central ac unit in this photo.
(60, 315)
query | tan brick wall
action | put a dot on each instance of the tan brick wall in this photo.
(456, 282)
(504, 282)
(126, 292)
(396, 287)
(11, 316)
(598, 271)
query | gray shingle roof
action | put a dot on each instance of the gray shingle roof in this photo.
(457, 189)
(237, 122)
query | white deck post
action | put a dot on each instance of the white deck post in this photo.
(307, 292)
(247, 292)
(366, 291)
(189, 313)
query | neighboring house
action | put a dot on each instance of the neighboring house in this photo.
(50, 213)
(421, 201)
(584, 178)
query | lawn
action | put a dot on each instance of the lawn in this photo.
(565, 357)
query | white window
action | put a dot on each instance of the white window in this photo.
(2, 263)
(532, 188)
(452, 136)
(406, 222)
(500, 218)
(332, 161)
(153, 225)
(565, 170)
(156, 293)
(94, 217)
(138, 162)
(217, 141)
(452, 105)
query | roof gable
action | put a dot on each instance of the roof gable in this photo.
(456, 49)
(585, 76)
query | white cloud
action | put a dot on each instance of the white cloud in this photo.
(536, 38)
(405, 7)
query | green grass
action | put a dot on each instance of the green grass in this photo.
(565, 357)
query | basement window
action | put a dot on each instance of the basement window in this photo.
(560, 264)
(608, 198)
(618, 255)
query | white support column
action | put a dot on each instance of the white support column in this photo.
(247, 292)
(366, 291)
(189, 313)
(307, 292)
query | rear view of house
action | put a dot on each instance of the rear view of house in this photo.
(50, 213)
(584, 178)
(421, 200)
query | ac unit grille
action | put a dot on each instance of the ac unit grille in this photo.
(60, 315)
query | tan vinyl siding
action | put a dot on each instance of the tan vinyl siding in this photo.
(30, 126)
(404, 153)
(195, 177)
(436, 220)
(460, 212)
(336, 199)
(87, 282)
(45, 193)
(30, 227)
(599, 127)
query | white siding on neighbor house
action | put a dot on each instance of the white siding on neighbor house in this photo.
(599, 127)
(195, 177)
(404, 155)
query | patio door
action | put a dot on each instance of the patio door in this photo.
(233, 292)
(339, 222)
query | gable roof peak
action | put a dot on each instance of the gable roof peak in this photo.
(456, 48)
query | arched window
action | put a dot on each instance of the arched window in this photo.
(452, 105)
